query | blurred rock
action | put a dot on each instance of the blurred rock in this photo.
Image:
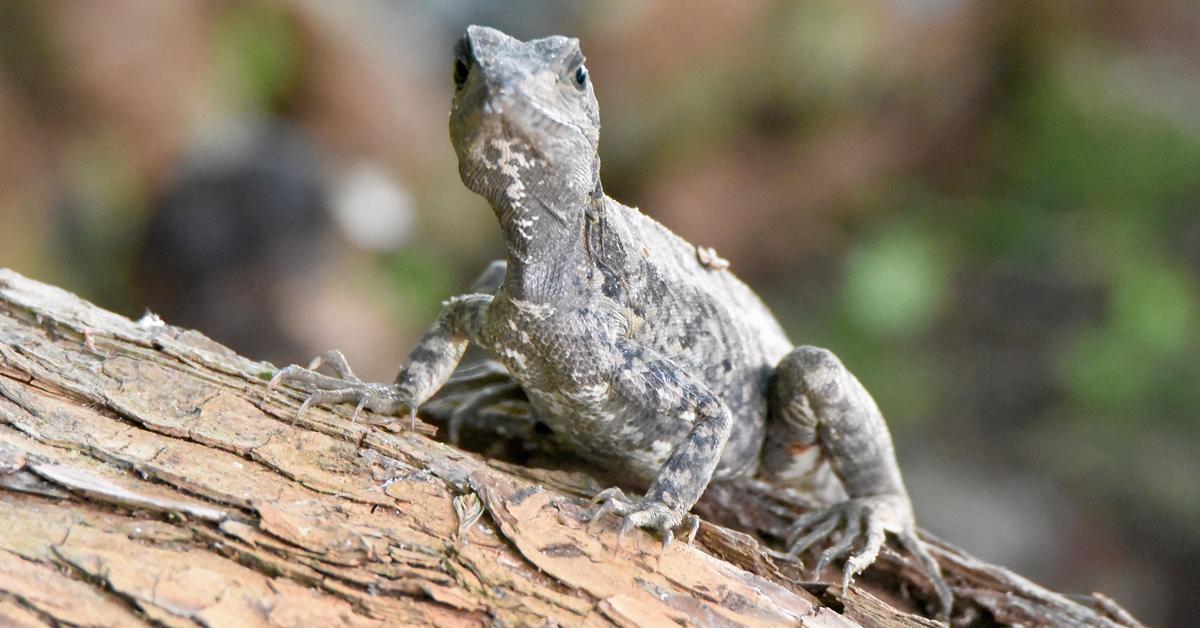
(229, 233)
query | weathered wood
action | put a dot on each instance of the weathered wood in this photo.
(149, 477)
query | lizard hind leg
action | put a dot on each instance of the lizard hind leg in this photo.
(818, 406)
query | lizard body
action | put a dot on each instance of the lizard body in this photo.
(641, 352)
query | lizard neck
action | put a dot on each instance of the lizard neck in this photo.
(544, 207)
(546, 247)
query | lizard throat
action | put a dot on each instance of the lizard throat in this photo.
(531, 199)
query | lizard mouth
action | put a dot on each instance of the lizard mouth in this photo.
(521, 117)
(528, 113)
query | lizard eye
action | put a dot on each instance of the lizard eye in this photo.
(581, 77)
(460, 73)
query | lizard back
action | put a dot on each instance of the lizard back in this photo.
(704, 319)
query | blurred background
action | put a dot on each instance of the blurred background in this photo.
(990, 210)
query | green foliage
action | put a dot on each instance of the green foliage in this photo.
(1119, 173)
(832, 46)
(1084, 187)
(106, 201)
(895, 283)
(423, 279)
(1074, 146)
(1155, 306)
(1117, 366)
(258, 54)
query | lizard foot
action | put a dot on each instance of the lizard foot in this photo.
(868, 519)
(643, 513)
(347, 387)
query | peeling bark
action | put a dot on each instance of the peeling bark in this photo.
(149, 478)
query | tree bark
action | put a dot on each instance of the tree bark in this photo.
(151, 478)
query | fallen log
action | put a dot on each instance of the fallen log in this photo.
(149, 477)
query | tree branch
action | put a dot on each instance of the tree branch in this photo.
(151, 478)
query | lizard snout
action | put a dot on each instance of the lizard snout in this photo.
(500, 98)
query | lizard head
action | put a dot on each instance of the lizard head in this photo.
(524, 123)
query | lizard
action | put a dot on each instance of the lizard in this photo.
(642, 353)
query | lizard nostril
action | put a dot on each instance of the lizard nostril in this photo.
(490, 106)
(461, 72)
(499, 98)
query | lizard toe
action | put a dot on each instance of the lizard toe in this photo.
(307, 379)
(667, 536)
(842, 547)
(928, 565)
(337, 362)
(873, 539)
(651, 515)
(322, 397)
(380, 398)
(608, 500)
(642, 513)
(821, 528)
(692, 526)
(859, 520)
(864, 522)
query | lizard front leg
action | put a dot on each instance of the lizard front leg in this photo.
(817, 401)
(427, 368)
(651, 382)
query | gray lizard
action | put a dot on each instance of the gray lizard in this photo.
(642, 353)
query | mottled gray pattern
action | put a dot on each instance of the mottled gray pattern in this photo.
(640, 351)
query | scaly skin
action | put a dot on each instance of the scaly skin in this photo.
(641, 352)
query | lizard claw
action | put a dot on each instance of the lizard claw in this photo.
(928, 566)
(346, 388)
(864, 522)
(642, 513)
(609, 500)
(860, 520)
